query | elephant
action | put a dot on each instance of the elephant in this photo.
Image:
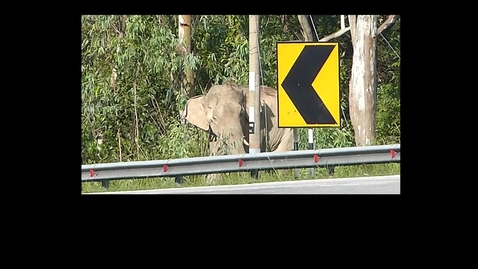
(223, 113)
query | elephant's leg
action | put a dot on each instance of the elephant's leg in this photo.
(213, 178)
(286, 144)
(213, 151)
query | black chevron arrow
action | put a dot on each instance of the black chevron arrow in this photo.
(298, 84)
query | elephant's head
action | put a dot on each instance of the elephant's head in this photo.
(221, 112)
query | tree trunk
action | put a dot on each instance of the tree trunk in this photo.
(187, 85)
(306, 28)
(121, 28)
(186, 78)
(363, 80)
(284, 22)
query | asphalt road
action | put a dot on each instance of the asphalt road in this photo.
(358, 185)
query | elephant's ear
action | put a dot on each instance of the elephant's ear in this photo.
(195, 112)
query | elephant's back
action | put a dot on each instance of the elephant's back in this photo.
(268, 91)
(269, 96)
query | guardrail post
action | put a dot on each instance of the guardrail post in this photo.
(296, 147)
(331, 170)
(311, 147)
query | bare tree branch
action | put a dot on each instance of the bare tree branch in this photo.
(306, 28)
(115, 28)
(352, 23)
(336, 34)
(122, 25)
(390, 20)
(340, 32)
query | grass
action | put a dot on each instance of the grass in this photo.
(244, 178)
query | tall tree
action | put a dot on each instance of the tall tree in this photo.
(306, 26)
(121, 29)
(187, 84)
(363, 79)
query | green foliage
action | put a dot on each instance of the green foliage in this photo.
(222, 46)
(388, 91)
(182, 141)
(137, 118)
(131, 115)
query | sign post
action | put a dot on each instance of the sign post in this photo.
(254, 89)
(308, 86)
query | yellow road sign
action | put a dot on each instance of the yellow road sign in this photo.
(308, 84)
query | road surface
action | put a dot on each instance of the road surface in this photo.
(358, 185)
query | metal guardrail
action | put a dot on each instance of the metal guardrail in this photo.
(241, 163)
